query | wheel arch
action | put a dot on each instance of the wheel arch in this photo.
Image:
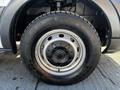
(7, 21)
(14, 8)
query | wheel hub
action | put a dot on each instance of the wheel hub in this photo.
(58, 54)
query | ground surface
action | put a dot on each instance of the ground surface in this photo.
(14, 76)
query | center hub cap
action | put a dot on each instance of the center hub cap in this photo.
(60, 53)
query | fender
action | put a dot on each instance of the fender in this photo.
(11, 10)
(111, 14)
(6, 21)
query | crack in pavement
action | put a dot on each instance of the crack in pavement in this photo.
(36, 86)
(106, 76)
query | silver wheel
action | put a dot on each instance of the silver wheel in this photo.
(60, 52)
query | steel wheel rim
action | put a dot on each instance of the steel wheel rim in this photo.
(43, 44)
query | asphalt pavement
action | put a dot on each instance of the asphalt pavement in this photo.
(15, 76)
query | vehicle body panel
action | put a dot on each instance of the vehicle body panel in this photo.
(116, 3)
(115, 42)
(111, 14)
(110, 10)
(6, 21)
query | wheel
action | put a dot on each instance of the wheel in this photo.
(60, 48)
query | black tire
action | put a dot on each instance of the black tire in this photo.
(76, 24)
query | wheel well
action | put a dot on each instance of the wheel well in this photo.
(84, 8)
